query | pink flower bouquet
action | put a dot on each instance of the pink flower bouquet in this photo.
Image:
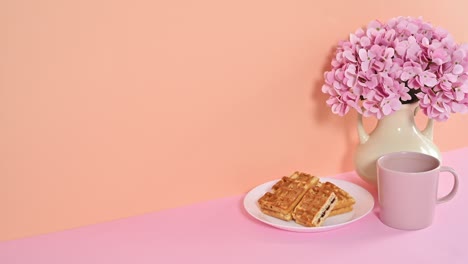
(402, 61)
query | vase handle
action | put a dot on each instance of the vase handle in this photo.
(363, 136)
(428, 131)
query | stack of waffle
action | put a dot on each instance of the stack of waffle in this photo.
(305, 199)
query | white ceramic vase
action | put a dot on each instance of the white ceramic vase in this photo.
(395, 132)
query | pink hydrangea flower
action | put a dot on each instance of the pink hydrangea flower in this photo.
(388, 64)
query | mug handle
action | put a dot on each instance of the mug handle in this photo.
(452, 193)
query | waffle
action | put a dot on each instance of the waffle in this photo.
(315, 206)
(286, 194)
(340, 211)
(345, 201)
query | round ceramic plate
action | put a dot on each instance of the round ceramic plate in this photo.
(364, 205)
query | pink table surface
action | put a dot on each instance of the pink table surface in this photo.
(221, 231)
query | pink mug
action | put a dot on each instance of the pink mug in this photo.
(407, 185)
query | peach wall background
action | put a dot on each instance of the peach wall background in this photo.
(110, 109)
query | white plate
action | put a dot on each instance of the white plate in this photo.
(364, 205)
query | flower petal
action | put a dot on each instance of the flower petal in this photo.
(362, 54)
(458, 69)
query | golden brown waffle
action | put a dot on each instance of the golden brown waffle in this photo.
(286, 194)
(315, 206)
(296, 176)
(340, 211)
(303, 177)
(345, 201)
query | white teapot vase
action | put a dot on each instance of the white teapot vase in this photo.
(395, 132)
